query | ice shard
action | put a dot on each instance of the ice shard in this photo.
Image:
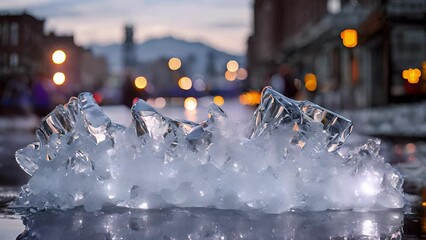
(27, 157)
(202, 132)
(58, 131)
(287, 162)
(95, 120)
(275, 109)
(149, 121)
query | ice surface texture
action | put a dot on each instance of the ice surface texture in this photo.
(287, 160)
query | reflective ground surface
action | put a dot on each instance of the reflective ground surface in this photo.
(209, 224)
(196, 223)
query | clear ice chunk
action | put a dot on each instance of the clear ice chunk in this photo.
(80, 163)
(202, 132)
(149, 121)
(287, 162)
(60, 129)
(27, 157)
(276, 109)
(94, 117)
(56, 122)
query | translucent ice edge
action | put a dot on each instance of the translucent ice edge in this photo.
(285, 159)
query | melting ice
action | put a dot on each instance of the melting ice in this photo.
(286, 159)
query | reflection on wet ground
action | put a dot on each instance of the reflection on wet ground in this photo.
(179, 223)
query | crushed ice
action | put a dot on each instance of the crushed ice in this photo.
(286, 159)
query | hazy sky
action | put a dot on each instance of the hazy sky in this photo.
(224, 24)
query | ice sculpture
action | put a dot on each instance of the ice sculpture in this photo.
(287, 161)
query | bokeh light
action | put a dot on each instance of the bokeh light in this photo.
(232, 66)
(190, 103)
(174, 63)
(59, 78)
(250, 98)
(59, 57)
(410, 148)
(199, 85)
(185, 83)
(412, 75)
(135, 100)
(141, 82)
(242, 74)
(219, 100)
(230, 76)
(98, 97)
(151, 101)
(310, 77)
(160, 102)
(349, 38)
(310, 82)
(311, 86)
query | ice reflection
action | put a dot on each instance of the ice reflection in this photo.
(200, 223)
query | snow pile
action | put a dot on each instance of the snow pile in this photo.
(285, 159)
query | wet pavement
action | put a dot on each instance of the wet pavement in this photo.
(181, 223)
(203, 223)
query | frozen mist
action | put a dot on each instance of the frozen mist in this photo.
(286, 159)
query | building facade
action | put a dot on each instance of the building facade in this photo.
(27, 67)
(21, 44)
(391, 39)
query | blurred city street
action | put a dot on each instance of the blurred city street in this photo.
(362, 59)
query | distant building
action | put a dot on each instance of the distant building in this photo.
(306, 35)
(72, 67)
(27, 67)
(129, 49)
(83, 70)
(94, 70)
(275, 22)
(21, 44)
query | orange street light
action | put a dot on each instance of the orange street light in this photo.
(141, 82)
(310, 82)
(311, 86)
(58, 78)
(219, 100)
(232, 66)
(59, 57)
(230, 76)
(190, 103)
(349, 37)
(412, 75)
(250, 98)
(174, 63)
(185, 83)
